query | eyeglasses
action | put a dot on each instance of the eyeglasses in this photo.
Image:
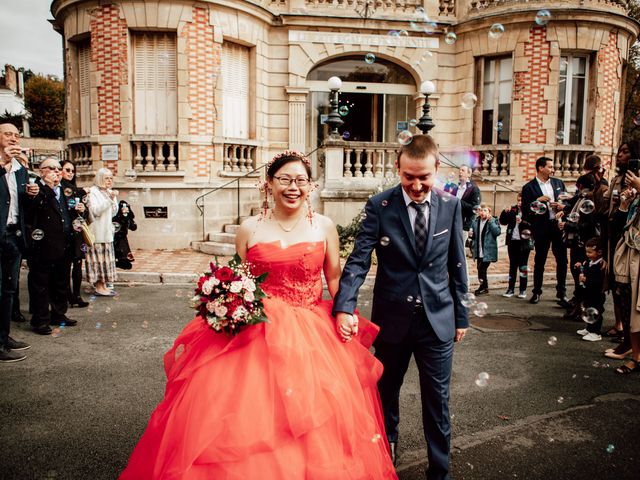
(58, 169)
(69, 170)
(286, 181)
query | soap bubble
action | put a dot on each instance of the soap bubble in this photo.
(590, 315)
(537, 207)
(496, 31)
(525, 234)
(480, 309)
(410, 298)
(384, 203)
(543, 17)
(482, 380)
(587, 207)
(343, 111)
(560, 400)
(37, 234)
(468, 300)
(68, 192)
(573, 217)
(116, 227)
(552, 341)
(346, 135)
(71, 202)
(560, 136)
(131, 174)
(499, 127)
(636, 120)
(405, 137)
(413, 122)
(468, 101)
(77, 224)
(384, 241)
(369, 58)
(564, 196)
(450, 38)
(477, 210)
(376, 438)
(610, 448)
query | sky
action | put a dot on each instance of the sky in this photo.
(27, 39)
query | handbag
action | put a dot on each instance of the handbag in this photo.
(87, 235)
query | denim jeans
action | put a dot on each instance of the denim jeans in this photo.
(10, 257)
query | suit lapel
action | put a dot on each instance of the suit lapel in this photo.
(401, 207)
(536, 188)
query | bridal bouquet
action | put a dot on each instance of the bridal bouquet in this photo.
(229, 297)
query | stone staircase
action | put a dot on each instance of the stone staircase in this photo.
(222, 243)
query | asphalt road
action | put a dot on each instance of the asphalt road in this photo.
(76, 407)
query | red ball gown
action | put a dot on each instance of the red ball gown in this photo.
(281, 400)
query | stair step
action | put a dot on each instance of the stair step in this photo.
(214, 248)
(231, 228)
(222, 237)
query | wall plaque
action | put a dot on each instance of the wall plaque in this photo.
(156, 212)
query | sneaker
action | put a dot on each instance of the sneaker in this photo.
(508, 294)
(592, 337)
(481, 291)
(15, 345)
(9, 356)
(582, 332)
(522, 294)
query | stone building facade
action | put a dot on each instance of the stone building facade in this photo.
(180, 98)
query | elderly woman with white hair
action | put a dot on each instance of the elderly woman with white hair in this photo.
(100, 264)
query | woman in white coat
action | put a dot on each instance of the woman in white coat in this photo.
(100, 264)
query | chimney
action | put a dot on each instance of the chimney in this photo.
(11, 80)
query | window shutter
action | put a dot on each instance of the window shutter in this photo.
(235, 100)
(155, 84)
(84, 59)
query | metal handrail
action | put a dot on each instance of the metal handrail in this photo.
(199, 201)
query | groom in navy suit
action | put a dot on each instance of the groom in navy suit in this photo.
(416, 233)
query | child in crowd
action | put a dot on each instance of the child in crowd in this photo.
(519, 244)
(123, 222)
(485, 230)
(592, 282)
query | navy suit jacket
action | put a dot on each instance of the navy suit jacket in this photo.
(438, 276)
(21, 180)
(540, 224)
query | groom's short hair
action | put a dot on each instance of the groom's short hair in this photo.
(420, 146)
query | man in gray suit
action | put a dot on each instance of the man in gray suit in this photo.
(416, 233)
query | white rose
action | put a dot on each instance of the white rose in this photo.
(207, 287)
(240, 312)
(214, 281)
(249, 285)
(236, 286)
(211, 307)
(249, 297)
(220, 311)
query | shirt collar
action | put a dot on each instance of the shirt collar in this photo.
(15, 165)
(543, 183)
(407, 199)
(595, 262)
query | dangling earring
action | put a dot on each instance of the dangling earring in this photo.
(265, 203)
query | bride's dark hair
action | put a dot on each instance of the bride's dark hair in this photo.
(287, 157)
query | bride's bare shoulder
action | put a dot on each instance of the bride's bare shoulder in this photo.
(324, 222)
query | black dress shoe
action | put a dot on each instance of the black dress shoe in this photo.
(564, 303)
(42, 330)
(66, 321)
(9, 356)
(77, 302)
(481, 291)
(535, 298)
(393, 453)
(17, 345)
(18, 317)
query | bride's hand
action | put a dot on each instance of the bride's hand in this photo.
(345, 326)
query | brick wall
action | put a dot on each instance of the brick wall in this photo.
(109, 55)
(529, 87)
(609, 66)
(203, 56)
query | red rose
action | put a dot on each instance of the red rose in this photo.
(224, 274)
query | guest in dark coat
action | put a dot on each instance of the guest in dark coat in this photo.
(123, 222)
(75, 195)
(519, 243)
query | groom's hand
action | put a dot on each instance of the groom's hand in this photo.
(460, 333)
(346, 325)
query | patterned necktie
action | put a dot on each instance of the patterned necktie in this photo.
(420, 227)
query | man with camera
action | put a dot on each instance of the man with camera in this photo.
(540, 204)
(15, 192)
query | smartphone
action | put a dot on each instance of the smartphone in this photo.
(634, 165)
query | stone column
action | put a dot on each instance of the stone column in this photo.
(297, 117)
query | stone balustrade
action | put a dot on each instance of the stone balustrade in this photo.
(80, 154)
(568, 159)
(480, 6)
(239, 157)
(155, 155)
(494, 160)
(369, 159)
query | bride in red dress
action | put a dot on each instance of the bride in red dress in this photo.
(292, 399)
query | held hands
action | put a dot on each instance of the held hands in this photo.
(80, 207)
(346, 326)
(32, 189)
(582, 278)
(544, 199)
(632, 180)
(12, 151)
(49, 179)
(577, 265)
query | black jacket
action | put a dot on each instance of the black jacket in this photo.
(75, 194)
(508, 218)
(540, 224)
(24, 201)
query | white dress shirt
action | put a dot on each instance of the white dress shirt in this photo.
(413, 213)
(547, 189)
(483, 223)
(461, 189)
(14, 212)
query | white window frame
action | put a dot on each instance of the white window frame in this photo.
(568, 93)
(84, 87)
(495, 101)
(236, 102)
